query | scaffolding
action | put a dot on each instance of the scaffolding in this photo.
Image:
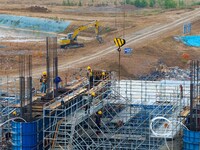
(15, 92)
(128, 108)
(194, 121)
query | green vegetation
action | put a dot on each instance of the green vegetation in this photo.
(130, 2)
(167, 4)
(195, 3)
(152, 3)
(181, 3)
(79, 4)
(68, 3)
(141, 3)
(170, 4)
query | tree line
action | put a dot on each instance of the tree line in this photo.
(154, 3)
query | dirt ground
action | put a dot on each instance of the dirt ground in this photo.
(116, 22)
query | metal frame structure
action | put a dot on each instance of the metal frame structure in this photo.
(9, 97)
(194, 121)
(128, 108)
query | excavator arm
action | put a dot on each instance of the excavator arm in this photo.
(69, 42)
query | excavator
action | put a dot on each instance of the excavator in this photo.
(70, 41)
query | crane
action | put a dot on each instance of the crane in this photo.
(70, 41)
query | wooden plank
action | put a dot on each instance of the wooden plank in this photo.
(98, 87)
(185, 112)
(68, 98)
(34, 99)
(37, 107)
(76, 85)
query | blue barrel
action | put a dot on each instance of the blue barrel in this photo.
(191, 140)
(24, 136)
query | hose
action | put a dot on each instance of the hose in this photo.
(164, 134)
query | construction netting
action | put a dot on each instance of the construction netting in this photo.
(39, 24)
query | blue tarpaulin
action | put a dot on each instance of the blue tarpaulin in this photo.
(193, 40)
(39, 24)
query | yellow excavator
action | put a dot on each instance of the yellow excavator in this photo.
(70, 41)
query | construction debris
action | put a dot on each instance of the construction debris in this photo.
(167, 73)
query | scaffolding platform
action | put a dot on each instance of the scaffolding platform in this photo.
(81, 115)
(37, 97)
(128, 137)
(98, 87)
(67, 98)
(77, 84)
(126, 114)
(125, 120)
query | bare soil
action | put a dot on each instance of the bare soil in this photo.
(116, 22)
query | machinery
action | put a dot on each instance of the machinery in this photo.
(70, 41)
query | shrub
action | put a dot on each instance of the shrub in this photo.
(170, 4)
(152, 3)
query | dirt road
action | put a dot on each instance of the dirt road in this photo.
(139, 36)
(131, 39)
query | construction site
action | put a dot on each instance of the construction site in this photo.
(99, 76)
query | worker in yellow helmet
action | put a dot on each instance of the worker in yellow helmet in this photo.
(14, 113)
(98, 121)
(90, 76)
(89, 102)
(103, 74)
(88, 67)
(43, 81)
(93, 94)
(99, 112)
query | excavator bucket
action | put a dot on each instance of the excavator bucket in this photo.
(99, 39)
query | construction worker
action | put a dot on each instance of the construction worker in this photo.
(90, 76)
(89, 102)
(43, 81)
(103, 74)
(14, 113)
(98, 121)
(57, 80)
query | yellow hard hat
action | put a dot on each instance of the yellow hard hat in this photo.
(103, 73)
(44, 73)
(88, 68)
(14, 113)
(93, 94)
(99, 112)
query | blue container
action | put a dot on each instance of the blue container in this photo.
(191, 140)
(24, 136)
